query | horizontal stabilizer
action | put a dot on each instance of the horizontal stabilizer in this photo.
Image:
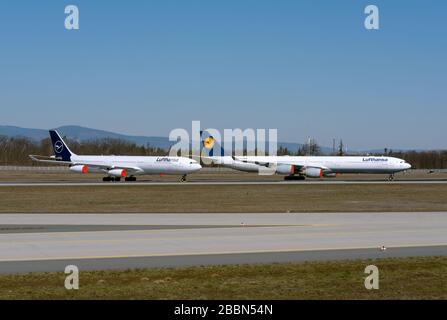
(46, 159)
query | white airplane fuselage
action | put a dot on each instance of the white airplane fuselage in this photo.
(329, 164)
(142, 164)
(117, 167)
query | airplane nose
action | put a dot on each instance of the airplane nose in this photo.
(196, 167)
(407, 166)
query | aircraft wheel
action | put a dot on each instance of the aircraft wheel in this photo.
(183, 178)
(106, 179)
(291, 178)
(117, 179)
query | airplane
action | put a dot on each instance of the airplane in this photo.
(117, 167)
(301, 167)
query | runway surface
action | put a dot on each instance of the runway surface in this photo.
(216, 183)
(49, 242)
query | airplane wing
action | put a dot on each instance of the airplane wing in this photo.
(105, 166)
(299, 166)
(109, 166)
(270, 164)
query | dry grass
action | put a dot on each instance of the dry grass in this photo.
(225, 198)
(410, 278)
(224, 175)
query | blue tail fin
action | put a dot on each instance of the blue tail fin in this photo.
(210, 146)
(61, 150)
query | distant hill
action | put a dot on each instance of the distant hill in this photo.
(83, 134)
(34, 134)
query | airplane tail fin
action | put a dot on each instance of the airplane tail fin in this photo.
(61, 150)
(210, 146)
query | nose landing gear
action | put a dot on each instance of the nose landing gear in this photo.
(391, 177)
(183, 178)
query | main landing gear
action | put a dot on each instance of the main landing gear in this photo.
(183, 178)
(292, 177)
(108, 179)
(118, 179)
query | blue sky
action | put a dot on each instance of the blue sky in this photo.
(307, 68)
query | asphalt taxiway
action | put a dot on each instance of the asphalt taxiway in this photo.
(49, 242)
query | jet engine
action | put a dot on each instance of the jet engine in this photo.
(313, 172)
(285, 169)
(244, 166)
(117, 173)
(79, 169)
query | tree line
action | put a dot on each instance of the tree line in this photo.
(16, 151)
(431, 159)
(436, 159)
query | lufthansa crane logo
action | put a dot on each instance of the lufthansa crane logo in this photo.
(58, 146)
(208, 142)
